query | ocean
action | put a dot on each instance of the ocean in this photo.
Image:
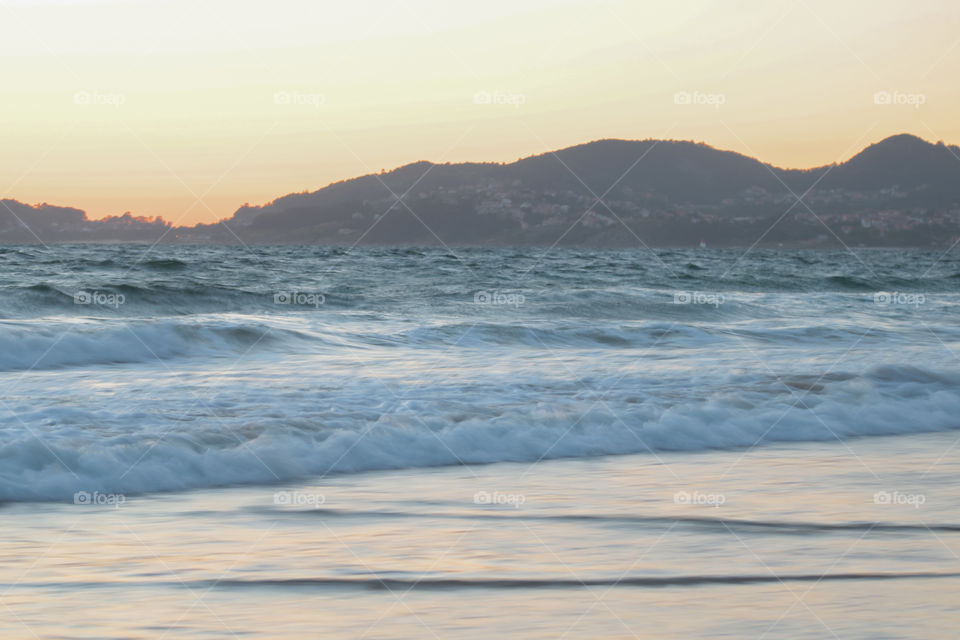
(290, 442)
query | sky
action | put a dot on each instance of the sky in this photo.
(189, 109)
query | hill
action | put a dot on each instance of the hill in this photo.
(901, 191)
(603, 193)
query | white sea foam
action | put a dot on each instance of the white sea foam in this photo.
(270, 436)
(202, 379)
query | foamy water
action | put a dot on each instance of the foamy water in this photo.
(205, 367)
(346, 417)
(806, 540)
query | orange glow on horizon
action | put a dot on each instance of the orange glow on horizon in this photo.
(164, 109)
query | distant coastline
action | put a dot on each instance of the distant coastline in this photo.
(899, 192)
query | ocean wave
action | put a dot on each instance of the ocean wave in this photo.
(64, 341)
(59, 344)
(402, 366)
(400, 585)
(281, 436)
(395, 585)
(765, 527)
(603, 284)
(481, 334)
(164, 264)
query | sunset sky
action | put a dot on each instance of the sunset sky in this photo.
(188, 109)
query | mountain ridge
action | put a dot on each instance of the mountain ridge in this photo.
(902, 142)
(661, 189)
